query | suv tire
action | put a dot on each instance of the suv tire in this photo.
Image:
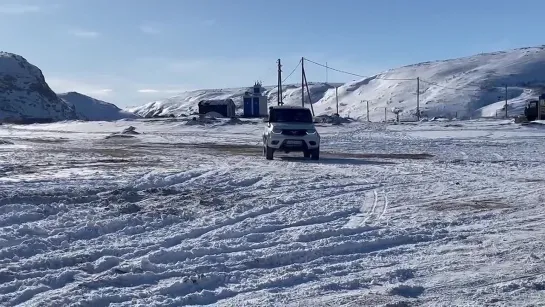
(306, 154)
(315, 154)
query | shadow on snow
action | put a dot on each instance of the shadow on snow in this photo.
(331, 160)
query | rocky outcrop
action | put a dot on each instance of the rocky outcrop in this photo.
(25, 96)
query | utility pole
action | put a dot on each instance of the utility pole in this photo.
(539, 101)
(385, 115)
(367, 110)
(303, 82)
(308, 91)
(418, 98)
(506, 101)
(279, 99)
(337, 99)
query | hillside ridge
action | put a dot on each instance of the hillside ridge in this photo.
(465, 87)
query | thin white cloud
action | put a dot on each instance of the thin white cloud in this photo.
(148, 91)
(161, 91)
(85, 34)
(16, 9)
(60, 85)
(149, 29)
(103, 91)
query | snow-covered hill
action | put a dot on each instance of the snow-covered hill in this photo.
(186, 102)
(88, 108)
(25, 95)
(472, 86)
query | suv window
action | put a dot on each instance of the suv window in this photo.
(290, 115)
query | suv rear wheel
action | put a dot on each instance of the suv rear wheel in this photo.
(269, 152)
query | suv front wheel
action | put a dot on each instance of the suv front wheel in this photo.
(313, 154)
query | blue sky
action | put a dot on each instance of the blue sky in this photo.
(134, 51)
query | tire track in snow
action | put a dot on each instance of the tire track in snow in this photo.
(373, 207)
(498, 157)
(236, 241)
(372, 210)
(384, 206)
(219, 231)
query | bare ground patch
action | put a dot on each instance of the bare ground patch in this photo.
(256, 150)
(41, 140)
(479, 205)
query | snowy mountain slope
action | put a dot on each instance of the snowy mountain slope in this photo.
(92, 109)
(462, 87)
(25, 95)
(186, 103)
(457, 87)
(515, 106)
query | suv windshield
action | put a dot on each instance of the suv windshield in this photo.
(290, 115)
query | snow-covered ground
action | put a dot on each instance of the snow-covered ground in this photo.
(428, 214)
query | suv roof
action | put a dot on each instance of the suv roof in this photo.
(290, 114)
(288, 107)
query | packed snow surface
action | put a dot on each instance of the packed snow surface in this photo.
(468, 87)
(181, 213)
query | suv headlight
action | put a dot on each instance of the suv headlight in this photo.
(276, 131)
(311, 131)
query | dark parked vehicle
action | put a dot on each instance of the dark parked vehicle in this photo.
(531, 109)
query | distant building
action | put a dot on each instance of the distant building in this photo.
(254, 102)
(225, 107)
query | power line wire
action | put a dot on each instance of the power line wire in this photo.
(338, 70)
(377, 77)
(392, 79)
(285, 79)
(358, 75)
(291, 73)
(270, 70)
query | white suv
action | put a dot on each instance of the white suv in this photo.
(290, 129)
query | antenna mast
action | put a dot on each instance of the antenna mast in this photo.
(303, 83)
(279, 99)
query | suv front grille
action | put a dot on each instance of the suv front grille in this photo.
(296, 132)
